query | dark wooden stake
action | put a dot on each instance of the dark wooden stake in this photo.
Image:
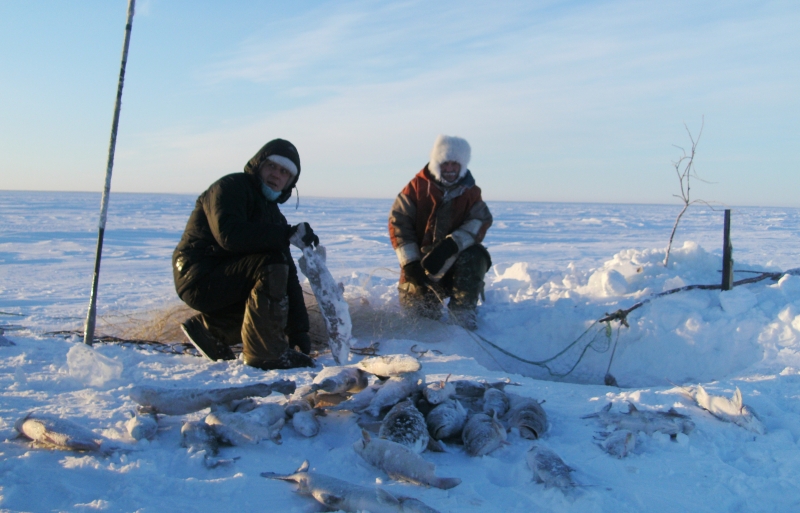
(88, 332)
(727, 254)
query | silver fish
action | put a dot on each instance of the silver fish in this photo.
(240, 406)
(330, 298)
(618, 443)
(439, 391)
(401, 463)
(305, 423)
(476, 389)
(57, 433)
(264, 422)
(496, 401)
(197, 436)
(669, 422)
(202, 439)
(143, 425)
(361, 400)
(326, 400)
(170, 401)
(405, 425)
(335, 380)
(446, 420)
(296, 405)
(340, 495)
(390, 365)
(482, 434)
(394, 390)
(528, 416)
(549, 468)
(728, 410)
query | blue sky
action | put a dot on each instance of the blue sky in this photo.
(560, 100)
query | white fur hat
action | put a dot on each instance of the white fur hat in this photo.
(448, 148)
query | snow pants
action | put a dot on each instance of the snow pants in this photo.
(463, 284)
(247, 300)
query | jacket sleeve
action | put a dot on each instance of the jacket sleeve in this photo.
(298, 315)
(474, 227)
(226, 205)
(402, 219)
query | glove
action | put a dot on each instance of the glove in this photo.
(301, 340)
(415, 274)
(301, 235)
(434, 261)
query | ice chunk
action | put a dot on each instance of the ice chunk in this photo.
(607, 282)
(90, 367)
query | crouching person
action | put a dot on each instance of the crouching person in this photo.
(436, 225)
(233, 265)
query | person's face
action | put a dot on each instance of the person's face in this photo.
(273, 175)
(450, 170)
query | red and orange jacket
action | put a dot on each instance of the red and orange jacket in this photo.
(426, 212)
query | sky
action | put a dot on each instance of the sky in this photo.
(574, 101)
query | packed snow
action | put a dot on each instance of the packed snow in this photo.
(557, 269)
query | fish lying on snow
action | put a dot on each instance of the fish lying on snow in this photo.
(143, 425)
(335, 380)
(359, 401)
(389, 365)
(482, 434)
(527, 415)
(446, 420)
(549, 468)
(729, 410)
(306, 423)
(394, 390)
(341, 495)
(439, 391)
(669, 422)
(56, 433)
(200, 438)
(617, 443)
(303, 417)
(401, 463)
(476, 389)
(170, 401)
(496, 401)
(264, 422)
(405, 425)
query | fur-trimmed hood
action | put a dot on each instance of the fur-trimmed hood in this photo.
(449, 148)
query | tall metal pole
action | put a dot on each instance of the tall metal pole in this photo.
(88, 332)
(727, 253)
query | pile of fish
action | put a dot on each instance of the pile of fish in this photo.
(401, 416)
(234, 419)
(338, 495)
(727, 410)
(621, 440)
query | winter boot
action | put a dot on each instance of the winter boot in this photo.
(202, 339)
(289, 359)
(265, 316)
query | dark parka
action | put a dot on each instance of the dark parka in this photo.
(233, 219)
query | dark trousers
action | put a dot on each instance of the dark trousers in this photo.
(246, 300)
(463, 284)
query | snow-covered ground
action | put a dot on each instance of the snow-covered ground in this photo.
(557, 269)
